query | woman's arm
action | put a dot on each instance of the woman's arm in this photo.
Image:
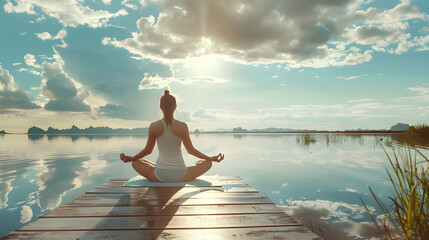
(193, 151)
(150, 144)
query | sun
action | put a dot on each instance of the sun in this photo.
(206, 65)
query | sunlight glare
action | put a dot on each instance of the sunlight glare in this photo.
(201, 66)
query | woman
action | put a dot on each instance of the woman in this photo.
(169, 134)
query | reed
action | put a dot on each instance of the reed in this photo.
(414, 135)
(408, 214)
(305, 139)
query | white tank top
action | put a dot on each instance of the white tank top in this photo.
(169, 147)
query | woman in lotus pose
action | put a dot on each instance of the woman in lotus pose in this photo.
(169, 134)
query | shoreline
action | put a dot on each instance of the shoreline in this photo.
(225, 132)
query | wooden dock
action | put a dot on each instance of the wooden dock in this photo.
(112, 211)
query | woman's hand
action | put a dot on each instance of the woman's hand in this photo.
(217, 158)
(125, 158)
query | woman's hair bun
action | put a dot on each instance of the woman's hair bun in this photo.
(166, 92)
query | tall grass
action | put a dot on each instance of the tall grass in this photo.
(414, 135)
(408, 214)
(305, 139)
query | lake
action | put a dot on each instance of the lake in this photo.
(319, 180)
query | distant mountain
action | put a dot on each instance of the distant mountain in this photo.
(272, 129)
(35, 130)
(399, 127)
(265, 130)
(90, 130)
(3, 132)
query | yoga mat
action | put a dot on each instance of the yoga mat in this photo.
(202, 181)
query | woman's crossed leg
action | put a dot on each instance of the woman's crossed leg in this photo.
(147, 169)
(196, 170)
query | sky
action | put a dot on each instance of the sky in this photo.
(301, 64)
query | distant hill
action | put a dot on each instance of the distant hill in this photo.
(35, 130)
(265, 130)
(399, 127)
(3, 132)
(89, 130)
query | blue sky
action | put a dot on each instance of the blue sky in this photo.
(334, 64)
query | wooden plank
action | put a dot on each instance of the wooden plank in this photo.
(166, 189)
(161, 222)
(220, 178)
(233, 181)
(285, 233)
(179, 201)
(233, 211)
(65, 211)
(172, 195)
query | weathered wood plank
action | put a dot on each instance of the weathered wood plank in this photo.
(233, 211)
(285, 233)
(65, 211)
(220, 178)
(178, 201)
(167, 189)
(161, 222)
(233, 181)
(172, 195)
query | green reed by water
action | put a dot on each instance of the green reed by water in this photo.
(408, 213)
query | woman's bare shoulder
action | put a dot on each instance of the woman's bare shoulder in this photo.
(156, 124)
(156, 127)
(180, 124)
(180, 127)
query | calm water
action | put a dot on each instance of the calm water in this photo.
(320, 181)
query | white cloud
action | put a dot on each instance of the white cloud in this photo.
(157, 82)
(35, 72)
(422, 95)
(128, 4)
(44, 35)
(351, 190)
(11, 96)
(285, 184)
(30, 60)
(361, 100)
(272, 31)
(354, 77)
(107, 2)
(16, 64)
(67, 12)
(283, 84)
(275, 76)
(20, 7)
(143, 3)
(5, 189)
(422, 43)
(26, 214)
(61, 90)
(340, 220)
(420, 90)
(61, 34)
(7, 82)
(202, 113)
(276, 192)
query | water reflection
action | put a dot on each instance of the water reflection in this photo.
(333, 220)
(317, 180)
(58, 177)
(35, 137)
